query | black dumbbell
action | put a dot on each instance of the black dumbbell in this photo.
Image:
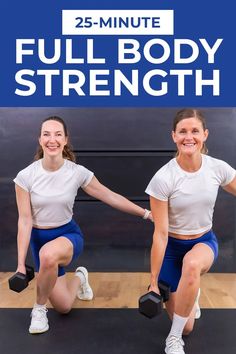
(151, 304)
(20, 281)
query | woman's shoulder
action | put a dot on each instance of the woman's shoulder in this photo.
(77, 169)
(161, 183)
(214, 162)
(26, 176)
(166, 170)
(31, 168)
(73, 165)
(220, 169)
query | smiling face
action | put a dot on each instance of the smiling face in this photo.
(52, 138)
(189, 136)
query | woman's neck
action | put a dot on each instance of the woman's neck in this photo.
(52, 164)
(189, 163)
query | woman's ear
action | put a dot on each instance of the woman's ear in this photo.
(206, 133)
(173, 136)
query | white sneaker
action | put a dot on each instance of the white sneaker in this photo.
(85, 291)
(198, 310)
(39, 321)
(174, 345)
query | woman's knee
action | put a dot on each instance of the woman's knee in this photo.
(191, 268)
(47, 258)
(63, 308)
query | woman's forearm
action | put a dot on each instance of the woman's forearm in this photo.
(157, 255)
(115, 200)
(121, 203)
(23, 239)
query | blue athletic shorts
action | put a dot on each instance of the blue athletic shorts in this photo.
(41, 236)
(176, 249)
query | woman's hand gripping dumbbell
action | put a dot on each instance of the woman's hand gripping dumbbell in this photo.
(19, 281)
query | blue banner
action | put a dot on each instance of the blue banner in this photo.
(120, 53)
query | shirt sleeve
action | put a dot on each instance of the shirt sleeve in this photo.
(22, 180)
(85, 176)
(226, 173)
(158, 188)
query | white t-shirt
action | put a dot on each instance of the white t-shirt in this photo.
(52, 193)
(191, 196)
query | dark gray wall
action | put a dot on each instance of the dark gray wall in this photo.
(124, 147)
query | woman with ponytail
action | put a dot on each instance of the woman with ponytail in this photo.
(182, 196)
(45, 194)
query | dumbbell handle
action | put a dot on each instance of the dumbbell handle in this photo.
(164, 290)
(29, 272)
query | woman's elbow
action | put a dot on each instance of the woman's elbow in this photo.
(25, 221)
(161, 236)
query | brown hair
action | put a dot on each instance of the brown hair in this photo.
(191, 113)
(67, 151)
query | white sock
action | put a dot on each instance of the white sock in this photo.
(198, 296)
(39, 306)
(81, 276)
(178, 324)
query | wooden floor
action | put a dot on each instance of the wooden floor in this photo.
(122, 290)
